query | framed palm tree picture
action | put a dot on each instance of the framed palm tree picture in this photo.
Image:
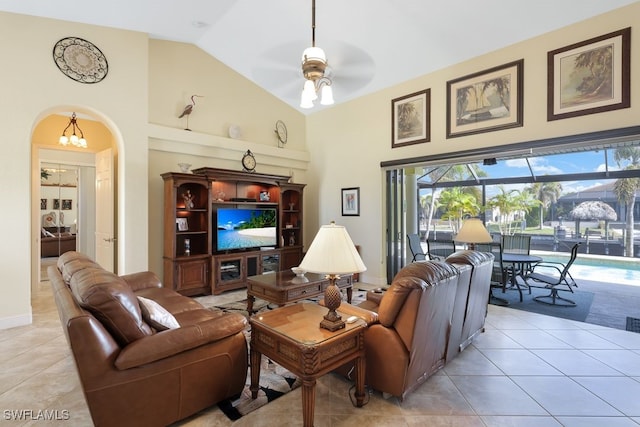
(411, 119)
(486, 101)
(589, 77)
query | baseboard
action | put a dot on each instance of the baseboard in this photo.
(14, 321)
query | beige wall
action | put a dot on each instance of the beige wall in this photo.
(350, 140)
(177, 71)
(33, 88)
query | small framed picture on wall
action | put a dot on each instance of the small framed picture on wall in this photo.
(351, 201)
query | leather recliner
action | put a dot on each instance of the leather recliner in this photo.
(133, 374)
(472, 297)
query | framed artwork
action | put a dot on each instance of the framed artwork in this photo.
(351, 201)
(182, 224)
(589, 77)
(411, 119)
(43, 204)
(56, 203)
(486, 101)
(66, 204)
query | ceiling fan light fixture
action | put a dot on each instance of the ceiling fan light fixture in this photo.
(305, 102)
(326, 95)
(314, 65)
(309, 91)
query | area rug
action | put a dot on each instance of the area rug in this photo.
(580, 312)
(275, 381)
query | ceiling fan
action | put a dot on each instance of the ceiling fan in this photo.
(349, 70)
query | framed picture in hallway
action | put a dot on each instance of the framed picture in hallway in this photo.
(486, 101)
(351, 201)
(411, 119)
(589, 77)
(66, 204)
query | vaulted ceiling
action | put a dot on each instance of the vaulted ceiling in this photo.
(370, 44)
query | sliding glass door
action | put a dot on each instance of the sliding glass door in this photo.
(396, 222)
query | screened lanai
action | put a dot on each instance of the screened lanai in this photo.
(555, 175)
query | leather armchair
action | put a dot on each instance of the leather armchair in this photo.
(131, 373)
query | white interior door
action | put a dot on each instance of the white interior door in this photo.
(105, 236)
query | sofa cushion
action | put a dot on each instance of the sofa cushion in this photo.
(156, 315)
(110, 299)
(71, 262)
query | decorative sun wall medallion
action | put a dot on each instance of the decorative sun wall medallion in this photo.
(80, 60)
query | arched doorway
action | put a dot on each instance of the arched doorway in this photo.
(64, 183)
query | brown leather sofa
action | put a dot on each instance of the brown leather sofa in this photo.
(422, 320)
(133, 374)
(56, 245)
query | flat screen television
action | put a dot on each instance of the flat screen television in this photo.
(239, 228)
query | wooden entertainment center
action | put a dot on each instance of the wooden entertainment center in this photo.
(193, 265)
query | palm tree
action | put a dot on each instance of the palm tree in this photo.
(547, 193)
(625, 190)
(509, 203)
(457, 205)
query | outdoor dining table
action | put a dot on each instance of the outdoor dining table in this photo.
(520, 263)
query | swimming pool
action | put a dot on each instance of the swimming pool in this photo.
(599, 268)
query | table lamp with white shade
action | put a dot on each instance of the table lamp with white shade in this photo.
(333, 253)
(473, 231)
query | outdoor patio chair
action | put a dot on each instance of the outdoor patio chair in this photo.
(552, 275)
(516, 243)
(499, 275)
(439, 250)
(416, 248)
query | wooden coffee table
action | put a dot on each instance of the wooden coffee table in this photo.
(285, 287)
(291, 337)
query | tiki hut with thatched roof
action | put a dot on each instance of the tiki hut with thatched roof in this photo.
(593, 210)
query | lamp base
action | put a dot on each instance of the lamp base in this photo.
(332, 299)
(332, 321)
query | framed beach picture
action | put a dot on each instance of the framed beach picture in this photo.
(411, 119)
(486, 101)
(589, 77)
(351, 201)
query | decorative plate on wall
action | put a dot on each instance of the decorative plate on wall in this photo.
(80, 60)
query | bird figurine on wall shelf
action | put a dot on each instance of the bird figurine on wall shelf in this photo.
(188, 109)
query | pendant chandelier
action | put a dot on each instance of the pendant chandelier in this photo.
(73, 139)
(314, 65)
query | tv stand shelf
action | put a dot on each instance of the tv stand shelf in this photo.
(191, 204)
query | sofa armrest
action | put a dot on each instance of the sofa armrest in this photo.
(375, 296)
(142, 280)
(173, 341)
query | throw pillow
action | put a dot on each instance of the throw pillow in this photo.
(156, 315)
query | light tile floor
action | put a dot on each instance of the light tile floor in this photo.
(526, 370)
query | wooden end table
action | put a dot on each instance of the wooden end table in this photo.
(291, 336)
(284, 287)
